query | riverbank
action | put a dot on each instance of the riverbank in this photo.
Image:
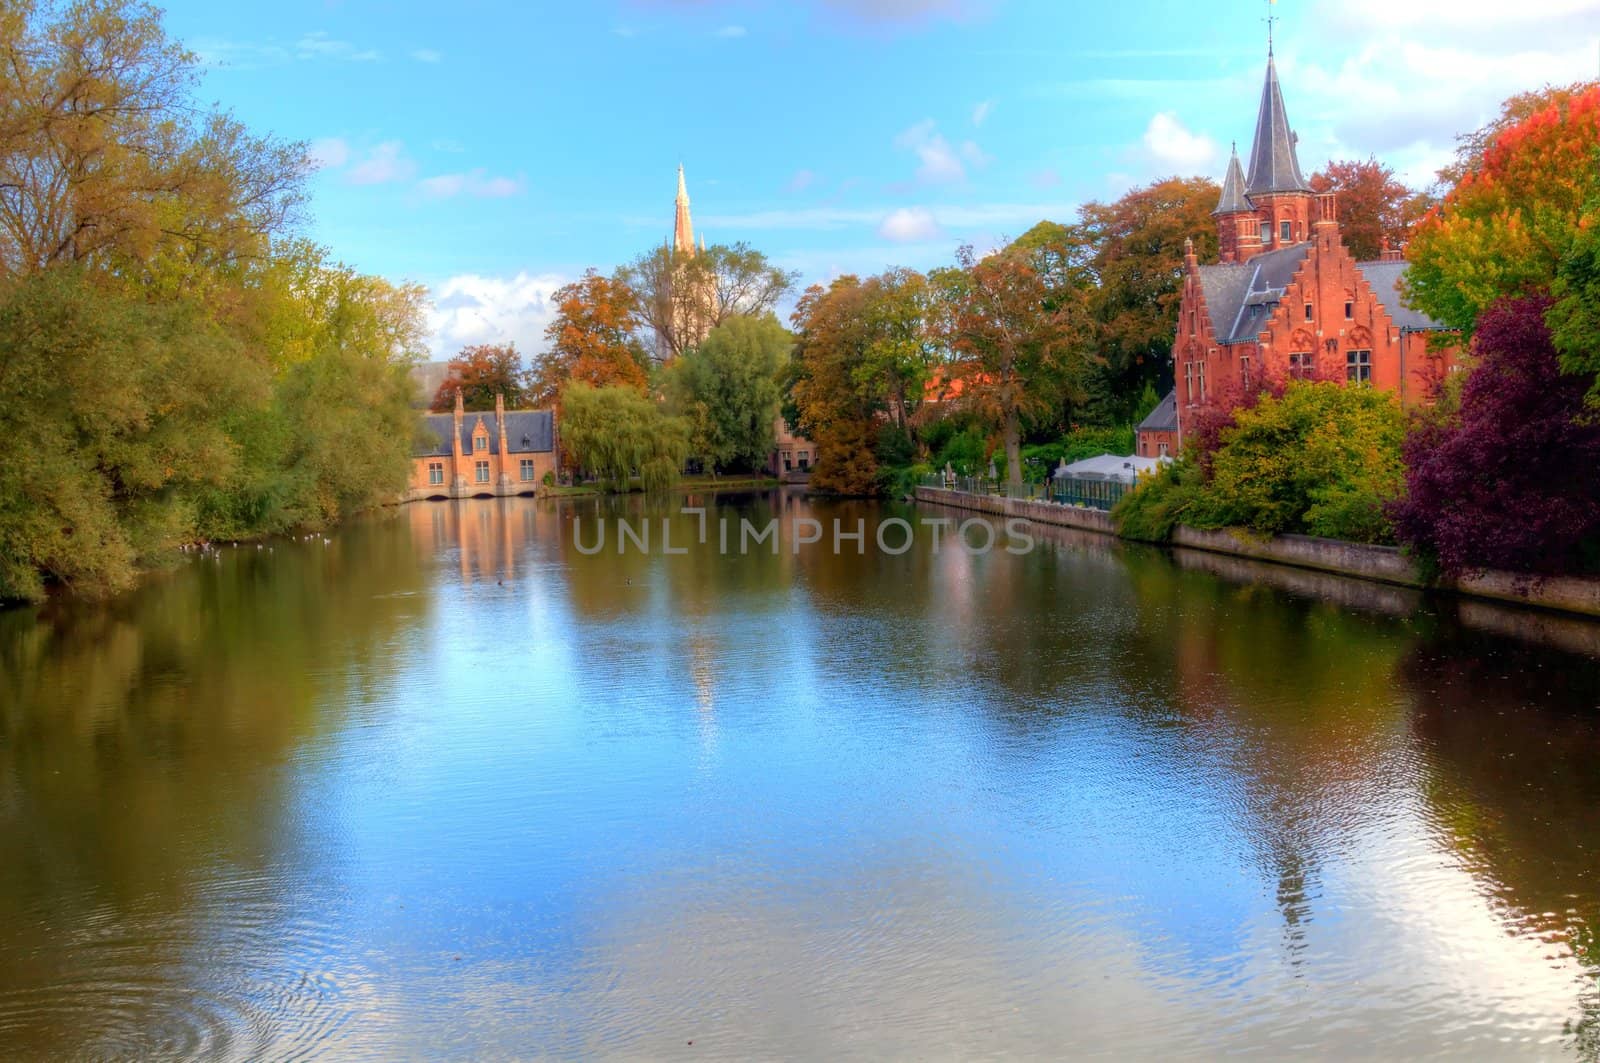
(688, 483)
(1379, 564)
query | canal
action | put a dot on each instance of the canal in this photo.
(445, 785)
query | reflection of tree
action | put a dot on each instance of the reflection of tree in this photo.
(1512, 741)
(144, 745)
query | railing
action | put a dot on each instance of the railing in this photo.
(1068, 491)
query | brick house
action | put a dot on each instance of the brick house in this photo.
(479, 455)
(1288, 300)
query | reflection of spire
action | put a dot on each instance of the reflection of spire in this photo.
(682, 226)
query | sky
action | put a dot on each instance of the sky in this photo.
(494, 151)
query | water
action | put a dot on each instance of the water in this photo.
(445, 787)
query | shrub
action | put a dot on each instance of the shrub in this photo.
(1322, 459)
(1160, 502)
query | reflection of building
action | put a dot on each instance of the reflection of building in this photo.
(482, 454)
(792, 454)
(1288, 299)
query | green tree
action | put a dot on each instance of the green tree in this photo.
(1322, 459)
(616, 433)
(727, 391)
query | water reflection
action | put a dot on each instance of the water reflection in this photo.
(449, 786)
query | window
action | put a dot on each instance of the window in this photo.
(483, 472)
(1349, 311)
(1300, 364)
(1244, 370)
(1285, 231)
(480, 442)
(1161, 450)
(1358, 367)
(1188, 382)
(435, 472)
(527, 470)
(1310, 311)
(805, 460)
(1200, 379)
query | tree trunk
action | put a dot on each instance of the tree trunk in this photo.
(1013, 449)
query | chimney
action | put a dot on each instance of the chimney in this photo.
(461, 411)
(1325, 211)
(1392, 254)
(1189, 261)
(500, 421)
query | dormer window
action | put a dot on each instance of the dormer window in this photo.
(480, 442)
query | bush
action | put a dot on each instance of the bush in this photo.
(1159, 503)
(1510, 483)
(1321, 459)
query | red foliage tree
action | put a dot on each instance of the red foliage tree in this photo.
(480, 373)
(1373, 205)
(1510, 483)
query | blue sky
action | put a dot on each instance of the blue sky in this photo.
(492, 151)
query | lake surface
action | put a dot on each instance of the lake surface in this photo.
(445, 786)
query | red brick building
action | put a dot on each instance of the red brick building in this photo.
(479, 455)
(1288, 299)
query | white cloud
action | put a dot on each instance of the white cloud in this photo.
(908, 225)
(981, 112)
(471, 308)
(426, 55)
(731, 32)
(974, 154)
(319, 45)
(940, 164)
(475, 183)
(383, 164)
(907, 12)
(946, 216)
(329, 153)
(1171, 145)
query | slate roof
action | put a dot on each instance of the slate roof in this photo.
(1164, 418)
(1385, 279)
(527, 432)
(1240, 296)
(1274, 166)
(1233, 200)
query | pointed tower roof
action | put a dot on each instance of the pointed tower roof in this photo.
(1233, 200)
(1274, 166)
(682, 225)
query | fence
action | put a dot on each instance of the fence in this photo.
(1067, 491)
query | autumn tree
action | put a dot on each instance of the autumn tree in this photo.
(592, 339)
(1508, 484)
(106, 159)
(480, 372)
(1374, 207)
(1016, 351)
(1471, 148)
(681, 296)
(1130, 253)
(726, 391)
(833, 406)
(1507, 227)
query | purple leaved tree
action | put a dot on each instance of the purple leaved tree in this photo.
(1513, 483)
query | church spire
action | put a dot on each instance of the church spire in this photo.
(682, 226)
(1233, 199)
(1274, 166)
